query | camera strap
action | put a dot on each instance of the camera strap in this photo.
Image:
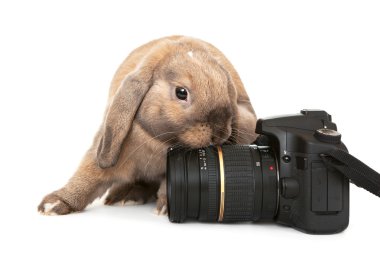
(353, 169)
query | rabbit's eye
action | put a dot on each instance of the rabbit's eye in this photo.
(181, 93)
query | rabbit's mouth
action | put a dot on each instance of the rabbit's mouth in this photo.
(203, 135)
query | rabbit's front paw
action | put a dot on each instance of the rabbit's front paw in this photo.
(53, 205)
(161, 206)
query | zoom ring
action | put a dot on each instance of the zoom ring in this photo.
(239, 185)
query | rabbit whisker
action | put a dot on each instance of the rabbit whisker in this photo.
(149, 140)
(156, 152)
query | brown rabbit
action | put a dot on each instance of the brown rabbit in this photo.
(174, 91)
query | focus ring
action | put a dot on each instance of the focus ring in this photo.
(209, 185)
(239, 187)
(213, 189)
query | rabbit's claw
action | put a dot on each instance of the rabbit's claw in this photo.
(53, 205)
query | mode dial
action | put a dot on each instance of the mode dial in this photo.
(328, 136)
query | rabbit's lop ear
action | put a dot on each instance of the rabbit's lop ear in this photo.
(119, 117)
(122, 109)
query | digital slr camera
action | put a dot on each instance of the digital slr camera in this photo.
(296, 174)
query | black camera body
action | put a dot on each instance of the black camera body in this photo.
(311, 197)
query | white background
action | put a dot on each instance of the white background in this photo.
(56, 62)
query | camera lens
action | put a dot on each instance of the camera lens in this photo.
(227, 183)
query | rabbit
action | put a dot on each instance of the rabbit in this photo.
(171, 92)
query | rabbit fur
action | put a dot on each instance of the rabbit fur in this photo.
(144, 117)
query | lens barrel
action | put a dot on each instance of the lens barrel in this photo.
(226, 184)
